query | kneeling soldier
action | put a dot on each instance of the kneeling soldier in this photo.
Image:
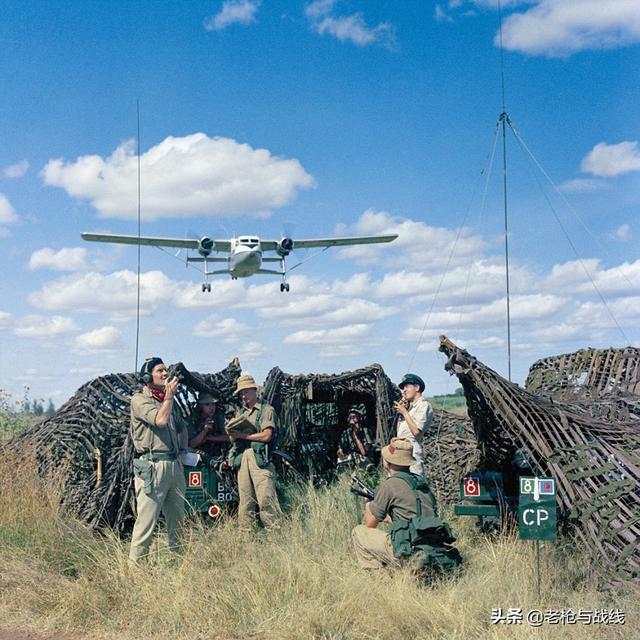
(395, 503)
(159, 436)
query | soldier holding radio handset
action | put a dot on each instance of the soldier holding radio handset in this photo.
(414, 416)
(159, 434)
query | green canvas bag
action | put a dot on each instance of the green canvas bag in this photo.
(426, 540)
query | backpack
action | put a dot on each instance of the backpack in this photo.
(425, 540)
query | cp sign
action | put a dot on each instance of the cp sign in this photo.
(537, 518)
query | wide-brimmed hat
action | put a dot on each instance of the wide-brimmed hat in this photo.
(245, 382)
(207, 398)
(412, 378)
(399, 451)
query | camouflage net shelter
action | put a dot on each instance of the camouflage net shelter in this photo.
(313, 410)
(90, 435)
(602, 383)
(594, 455)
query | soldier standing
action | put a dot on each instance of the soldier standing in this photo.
(415, 416)
(256, 474)
(159, 436)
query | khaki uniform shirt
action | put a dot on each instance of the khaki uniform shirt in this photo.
(267, 419)
(397, 499)
(144, 431)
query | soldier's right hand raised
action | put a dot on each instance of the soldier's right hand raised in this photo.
(171, 387)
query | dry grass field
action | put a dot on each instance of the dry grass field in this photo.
(299, 581)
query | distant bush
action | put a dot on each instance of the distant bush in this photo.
(18, 416)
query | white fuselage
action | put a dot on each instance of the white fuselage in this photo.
(246, 256)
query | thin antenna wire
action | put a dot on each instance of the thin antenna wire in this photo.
(139, 234)
(489, 161)
(504, 119)
(532, 160)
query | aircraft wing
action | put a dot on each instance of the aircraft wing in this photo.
(182, 243)
(271, 245)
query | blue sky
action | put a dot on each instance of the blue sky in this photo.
(345, 116)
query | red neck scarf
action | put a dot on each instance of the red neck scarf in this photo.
(157, 392)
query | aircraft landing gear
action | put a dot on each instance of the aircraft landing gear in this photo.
(206, 286)
(284, 286)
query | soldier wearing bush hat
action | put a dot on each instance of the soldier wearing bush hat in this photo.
(414, 416)
(251, 457)
(395, 500)
(208, 425)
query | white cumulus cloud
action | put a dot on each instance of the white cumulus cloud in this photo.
(68, 259)
(103, 339)
(36, 326)
(16, 170)
(182, 177)
(417, 242)
(233, 12)
(229, 330)
(563, 27)
(8, 214)
(114, 293)
(352, 28)
(612, 159)
(340, 335)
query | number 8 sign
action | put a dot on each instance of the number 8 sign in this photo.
(471, 487)
(195, 478)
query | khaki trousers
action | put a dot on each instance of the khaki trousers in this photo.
(167, 496)
(256, 488)
(373, 547)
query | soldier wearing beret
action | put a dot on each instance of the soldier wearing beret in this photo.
(256, 473)
(415, 415)
(159, 436)
(394, 501)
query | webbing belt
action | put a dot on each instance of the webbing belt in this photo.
(157, 457)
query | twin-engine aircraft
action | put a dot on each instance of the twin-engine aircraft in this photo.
(244, 257)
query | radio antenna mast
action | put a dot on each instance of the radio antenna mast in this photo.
(504, 120)
(139, 233)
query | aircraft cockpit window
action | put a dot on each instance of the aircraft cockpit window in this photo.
(252, 243)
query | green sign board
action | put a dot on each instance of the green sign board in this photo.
(537, 518)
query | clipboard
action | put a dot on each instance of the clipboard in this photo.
(241, 425)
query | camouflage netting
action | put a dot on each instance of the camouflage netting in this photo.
(599, 382)
(595, 459)
(91, 431)
(313, 412)
(450, 453)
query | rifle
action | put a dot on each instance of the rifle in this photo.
(360, 488)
